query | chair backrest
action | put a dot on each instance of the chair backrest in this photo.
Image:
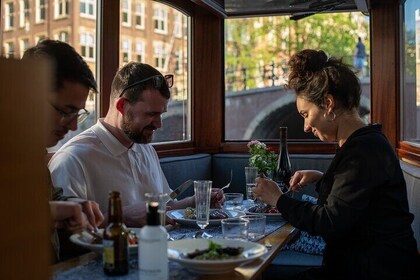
(24, 213)
(412, 179)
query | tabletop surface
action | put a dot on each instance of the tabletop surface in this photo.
(89, 266)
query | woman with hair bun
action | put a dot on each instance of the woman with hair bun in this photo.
(362, 209)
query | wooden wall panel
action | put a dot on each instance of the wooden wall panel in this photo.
(208, 100)
(24, 212)
(385, 77)
(109, 52)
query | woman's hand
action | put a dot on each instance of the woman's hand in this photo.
(302, 178)
(267, 191)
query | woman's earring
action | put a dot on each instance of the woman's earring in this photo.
(330, 118)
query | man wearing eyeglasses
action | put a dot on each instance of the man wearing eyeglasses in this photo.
(72, 82)
(115, 154)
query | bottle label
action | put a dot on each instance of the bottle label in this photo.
(108, 254)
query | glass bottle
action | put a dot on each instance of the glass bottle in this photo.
(153, 246)
(283, 171)
(115, 240)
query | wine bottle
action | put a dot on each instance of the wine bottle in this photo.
(153, 246)
(283, 171)
(115, 239)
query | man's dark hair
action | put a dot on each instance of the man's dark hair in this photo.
(68, 64)
(133, 72)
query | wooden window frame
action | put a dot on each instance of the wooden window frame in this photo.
(208, 88)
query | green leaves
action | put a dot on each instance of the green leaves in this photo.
(261, 157)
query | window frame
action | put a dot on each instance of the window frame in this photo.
(61, 9)
(88, 3)
(207, 136)
(128, 12)
(9, 16)
(140, 14)
(40, 10)
(87, 45)
(24, 13)
(408, 151)
(160, 16)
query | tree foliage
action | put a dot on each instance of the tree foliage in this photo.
(254, 43)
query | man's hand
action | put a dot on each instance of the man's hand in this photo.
(92, 212)
(135, 215)
(68, 215)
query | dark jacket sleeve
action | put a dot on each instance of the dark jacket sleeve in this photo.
(355, 175)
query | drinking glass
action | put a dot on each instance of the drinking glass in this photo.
(161, 199)
(233, 201)
(256, 226)
(202, 191)
(235, 228)
(251, 174)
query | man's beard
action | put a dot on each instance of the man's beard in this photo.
(132, 133)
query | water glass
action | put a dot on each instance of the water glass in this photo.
(233, 201)
(161, 199)
(202, 191)
(256, 226)
(235, 228)
(251, 173)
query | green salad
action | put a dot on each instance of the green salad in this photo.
(216, 252)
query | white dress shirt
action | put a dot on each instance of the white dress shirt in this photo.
(94, 163)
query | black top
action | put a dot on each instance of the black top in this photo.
(362, 211)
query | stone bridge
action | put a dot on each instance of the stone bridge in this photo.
(252, 114)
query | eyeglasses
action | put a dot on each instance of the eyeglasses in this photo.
(157, 80)
(81, 115)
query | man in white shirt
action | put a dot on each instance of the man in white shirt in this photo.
(114, 154)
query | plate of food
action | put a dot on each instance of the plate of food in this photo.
(89, 241)
(271, 212)
(187, 216)
(213, 256)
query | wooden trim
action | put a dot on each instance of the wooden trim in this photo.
(207, 88)
(109, 50)
(293, 147)
(212, 6)
(409, 152)
(385, 67)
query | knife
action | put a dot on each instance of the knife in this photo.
(182, 188)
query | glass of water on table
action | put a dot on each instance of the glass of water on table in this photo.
(251, 173)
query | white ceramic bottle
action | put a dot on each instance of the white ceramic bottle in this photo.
(153, 246)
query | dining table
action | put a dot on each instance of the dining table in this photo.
(278, 233)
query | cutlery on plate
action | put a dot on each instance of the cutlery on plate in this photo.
(228, 184)
(91, 236)
(182, 188)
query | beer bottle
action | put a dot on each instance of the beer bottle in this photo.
(115, 241)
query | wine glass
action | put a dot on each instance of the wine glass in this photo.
(202, 191)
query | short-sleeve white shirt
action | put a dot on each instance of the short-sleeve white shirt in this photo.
(94, 163)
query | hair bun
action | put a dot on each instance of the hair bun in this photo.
(308, 61)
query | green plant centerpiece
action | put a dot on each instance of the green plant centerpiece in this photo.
(261, 157)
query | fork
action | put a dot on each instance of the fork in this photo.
(228, 184)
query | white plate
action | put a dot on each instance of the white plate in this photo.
(82, 241)
(177, 250)
(178, 216)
